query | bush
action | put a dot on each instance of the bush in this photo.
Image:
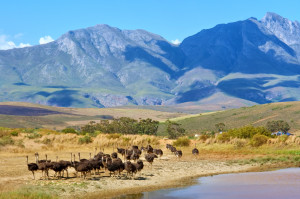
(14, 133)
(238, 143)
(248, 132)
(174, 130)
(224, 137)
(113, 136)
(20, 143)
(69, 130)
(203, 137)
(182, 141)
(283, 138)
(6, 140)
(34, 135)
(278, 125)
(47, 141)
(258, 140)
(85, 140)
(4, 132)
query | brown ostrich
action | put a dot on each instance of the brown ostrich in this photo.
(32, 167)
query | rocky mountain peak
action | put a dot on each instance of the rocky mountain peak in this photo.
(283, 28)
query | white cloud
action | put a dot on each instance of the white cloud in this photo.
(176, 41)
(5, 44)
(46, 39)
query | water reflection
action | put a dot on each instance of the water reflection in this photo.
(279, 184)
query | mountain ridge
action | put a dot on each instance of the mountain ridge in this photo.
(253, 61)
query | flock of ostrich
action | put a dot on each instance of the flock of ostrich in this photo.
(111, 162)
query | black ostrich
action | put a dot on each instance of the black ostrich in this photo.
(195, 151)
(114, 165)
(43, 165)
(32, 167)
(130, 168)
(178, 154)
(158, 152)
(150, 157)
(139, 165)
(135, 156)
(83, 167)
(114, 155)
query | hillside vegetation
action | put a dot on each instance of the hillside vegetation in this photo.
(257, 115)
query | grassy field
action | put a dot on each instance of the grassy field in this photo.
(257, 115)
(214, 158)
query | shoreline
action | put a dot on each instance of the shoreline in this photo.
(180, 182)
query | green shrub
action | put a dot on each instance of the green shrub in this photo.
(283, 138)
(224, 137)
(182, 141)
(238, 144)
(34, 135)
(47, 141)
(6, 140)
(69, 130)
(248, 132)
(203, 137)
(20, 143)
(85, 140)
(113, 136)
(258, 140)
(14, 133)
(4, 132)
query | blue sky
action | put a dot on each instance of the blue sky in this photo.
(30, 22)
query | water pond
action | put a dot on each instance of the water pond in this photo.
(279, 184)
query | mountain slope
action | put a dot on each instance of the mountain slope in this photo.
(251, 62)
(247, 62)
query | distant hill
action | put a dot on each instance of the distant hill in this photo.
(27, 115)
(257, 115)
(230, 65)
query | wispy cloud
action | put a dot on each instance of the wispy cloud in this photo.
(176, 41)
(6, 44)
(46, 39)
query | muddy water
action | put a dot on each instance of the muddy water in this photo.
(278, 184)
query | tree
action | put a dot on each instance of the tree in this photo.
(69, 130)
(220, 126)
(148, 126)
(278, 125)
(174, 130)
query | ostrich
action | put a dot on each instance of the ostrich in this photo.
(195, 151)
(43, 165)
(168, 146)
(173, 149)
(66, 165)
(139, 165)
(114, 165)
(178, 153)
(81, 160)
(114, 155)
(149, 149)
(32, 167)
(150, 157)
(82, 167)
(130, 168)
(158, 152)
(57, 167)
(135, 156)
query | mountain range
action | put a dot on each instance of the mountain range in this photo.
(230, 65)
